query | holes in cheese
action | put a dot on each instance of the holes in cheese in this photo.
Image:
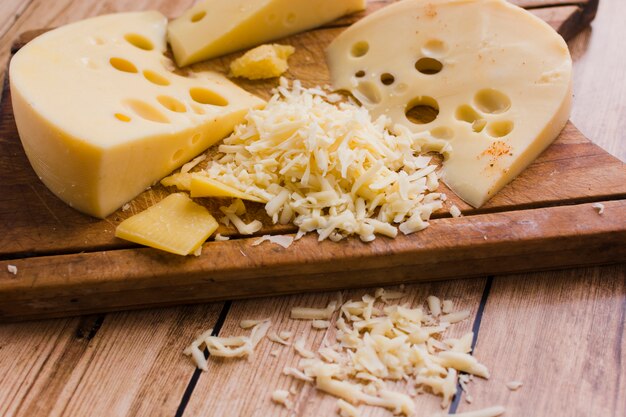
(175, 224)
(139, 41)
(205, 96)
(490, 83)
(155, 78)
(212, 28)
(123, 65)
(103, 110)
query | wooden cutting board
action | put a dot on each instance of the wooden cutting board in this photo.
(68, 263)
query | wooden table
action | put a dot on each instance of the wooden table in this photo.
(561, 333)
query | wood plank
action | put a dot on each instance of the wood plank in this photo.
(467, 246)
(131, 365)
(562, 335)
(600, 98)
(229, 385)
(43, 225)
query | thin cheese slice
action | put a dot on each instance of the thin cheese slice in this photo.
(102, 115)
(212, 28)
(202, 186)
(486, 76)
(175, 224)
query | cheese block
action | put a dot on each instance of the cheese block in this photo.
(212, 28)
(489, 78)
(103, 114)
(175, 224)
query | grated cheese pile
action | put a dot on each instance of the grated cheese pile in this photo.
(328, 167)
(376, 345)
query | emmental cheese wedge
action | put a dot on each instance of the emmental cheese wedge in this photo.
(212, 28)
(175, 224)
(486, 76)
(102, 113)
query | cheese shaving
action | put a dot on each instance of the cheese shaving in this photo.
(281, 240)
(303, 351)
(220, 238)
(12, 269)
(434, 305)
(277, 339)
(599, 207)
(514, 385)
(282, 397)
(320, 324)
(346, 409)
(329, 168)
(306, 313)
(447, 306)
(455, 211)
(247, 324)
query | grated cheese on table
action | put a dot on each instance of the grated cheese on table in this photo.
(281, 240)
(12, 269)
(599, 207)
(514, 385)
(328, 167)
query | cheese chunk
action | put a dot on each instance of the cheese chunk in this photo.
(175, 224)
(265, 61)
(212, 28)
(102, 116)
(488, 77)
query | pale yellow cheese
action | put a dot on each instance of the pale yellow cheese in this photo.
(203, 186)
(495, 81)
(262, 62)
(102, 116)
(175, 224)
(212, 28)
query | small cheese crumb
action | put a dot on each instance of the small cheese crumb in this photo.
(220, 238)
(126, 207)
(12, 269)
(599, 207)
(277, 339)
(285, 334)
(434, 305)
(447, 306)
(455, 211)
(198, 251)
(303, 351)
(282, 397)
(514, 385)
(248, 324)
(281, 240)
(346, 409)
(320, 324)
(455, 317)
(306, 313)
(485, 412)
(262, 62)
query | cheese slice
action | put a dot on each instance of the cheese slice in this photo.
(212, 28)
(175, 224)
(102, 115)
(486, 76)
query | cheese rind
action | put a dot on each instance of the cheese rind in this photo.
(495, 81)
(212, 28)
(102, 116)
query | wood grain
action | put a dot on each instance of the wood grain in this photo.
(467, 246)
(230, 388)
(76, 365)
(562, 335)
(599, 95)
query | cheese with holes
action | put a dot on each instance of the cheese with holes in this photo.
(487, 76)
(102, 115)
(212, 28)
(175, 224)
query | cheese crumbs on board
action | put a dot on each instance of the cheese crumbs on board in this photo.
(329, 168)
(265, 61)
(376, 345)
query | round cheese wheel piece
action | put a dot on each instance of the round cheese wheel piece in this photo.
(488, 77)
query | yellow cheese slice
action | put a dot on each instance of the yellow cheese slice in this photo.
(102, 115)
(202, 186)
(175, 224)
(212, 28)
(486, 76)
